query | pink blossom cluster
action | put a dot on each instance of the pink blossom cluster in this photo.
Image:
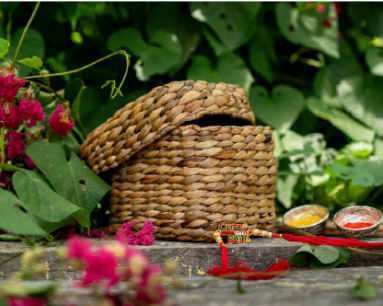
(101, 267)
(143, 236)
(61, 120)
(25, 301)
(29, 109)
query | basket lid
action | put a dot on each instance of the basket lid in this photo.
(155, 114)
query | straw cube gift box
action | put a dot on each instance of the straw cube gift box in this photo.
(186, 156)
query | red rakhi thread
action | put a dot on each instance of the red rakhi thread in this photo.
(242, 271)
(322, 240)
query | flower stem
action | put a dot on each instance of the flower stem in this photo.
(50, 89)
(114, 90)
(24, 33)
(2, 146)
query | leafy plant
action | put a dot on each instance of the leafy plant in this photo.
(320, 257)
(363, 290)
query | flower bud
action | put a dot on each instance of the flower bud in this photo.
(27, 258)
(28, 95)
(117, 249)
(62, 253)
(44, 72)
(170, 266)
(137, 265)
(39, 269)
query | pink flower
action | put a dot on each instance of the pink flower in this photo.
(9, 85)
(29, 162)
(150, 290)
(15, 148)
(94, 233)
(31, 110)
(143, 236)
(321, 9)
(61, 120)
(79, 248)
(25, 301)
(10, 114)
(100, 268)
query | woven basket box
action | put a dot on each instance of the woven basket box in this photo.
(171, 163)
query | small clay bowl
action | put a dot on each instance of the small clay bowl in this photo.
(358, 214)
(305, 211)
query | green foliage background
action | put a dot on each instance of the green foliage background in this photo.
(316, 78)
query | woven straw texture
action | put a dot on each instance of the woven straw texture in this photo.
(185, 178)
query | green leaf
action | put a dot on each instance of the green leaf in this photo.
(344, 256)
(33, 62)
(162, 53)
(372, 166)
(15, 220)
(73, 91)
(363, 290)
(374, 59)
(202, 69)
(298, 258)
(24, 289)
(73, 180)
(370, 16)
(183, 25)
(378, 147)
(261, 52)
(285, 189)
(40, 199)
(307, 28)
(323, 253)
(9, 237)
(3, 47)
(357, 175)
(239, 287)
(230, 21)
(357, 149)
(33, 45)
(342, 121)
(281, 109)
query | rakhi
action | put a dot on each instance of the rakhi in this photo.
(239, 233)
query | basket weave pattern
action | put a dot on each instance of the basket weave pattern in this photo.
(186, 178)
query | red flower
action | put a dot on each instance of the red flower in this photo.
(15, 148)
(338, 9)
(31, 110)
(9, 85)
(25, 301)
(5, 179)
(321, 9)
(29, 162)
(61, 120)
(326, 24)
(10, 114)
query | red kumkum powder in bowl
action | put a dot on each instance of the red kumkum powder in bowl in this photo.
(358, 225)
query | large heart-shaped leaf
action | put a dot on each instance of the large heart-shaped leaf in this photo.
(323, 253)
(310, 29)
(184, 26)
(230, 69)
(230, 21)
(341, 120)
(357, 175)
(34, 62)
(281, 109)
(40, 199)
(15, 220)
(372, 166)
(163, 51)
(73, 180)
